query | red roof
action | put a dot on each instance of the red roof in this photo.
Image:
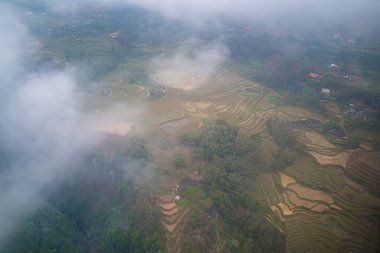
(313, 75)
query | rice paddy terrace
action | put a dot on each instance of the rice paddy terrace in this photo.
(319, 202)
(229, 94)
(328, 201)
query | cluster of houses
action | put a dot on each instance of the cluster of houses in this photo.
(361, 113)
(323, 91)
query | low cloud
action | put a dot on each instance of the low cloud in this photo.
(190, 66)
(41, 129)
(343, 13)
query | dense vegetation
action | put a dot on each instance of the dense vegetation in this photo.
(233, 163)
(100, 209)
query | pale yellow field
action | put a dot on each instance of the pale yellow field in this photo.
(286, 180)
(318, 139)
(339, 159)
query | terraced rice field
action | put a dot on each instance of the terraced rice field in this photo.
(364, 167)
(329, 208)
(173, 218)
(224, 95)
(322, 203)
(324, 152)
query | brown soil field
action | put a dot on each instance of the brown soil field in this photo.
(285, 209)
(371, 160)
(318, 139)
(286, 180)
(170, 212)
(339, 159)
(287, 201)
(354, 185)
(295, 200)
(366, 146)
(311, 194)
(336, 207)
(340, 233)
(167, 206)
(299, 113)
(320, 208)
(166, 198)
(172, 228)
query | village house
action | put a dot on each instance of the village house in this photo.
(314, 75)
(326, 91)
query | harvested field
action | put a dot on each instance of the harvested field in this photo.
(366, 147)
(339, 159)
(286, 180)
(173, 218)
(364, 167)
(311, 194)
(299, 202)
(170, 212)
(322, 209)
(299, 113)
(285, 209)
(167, 206)
(316, 139)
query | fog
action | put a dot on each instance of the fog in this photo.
(41, 128)
(311, 14)
(190, 65)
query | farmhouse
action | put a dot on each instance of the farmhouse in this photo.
(314, 75)
(333, 66)
(326, 91)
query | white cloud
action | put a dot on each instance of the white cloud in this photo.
(198, 11)
(40, 126)
(190, 66)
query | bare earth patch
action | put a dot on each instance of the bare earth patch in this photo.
(297, 201)
(167, 206)
(318, 139)
(371, 160)
(366, 146)
(298, 113)
(286, 180)
(320, 208)
(311, 194)
(339, 159)
(285, 209)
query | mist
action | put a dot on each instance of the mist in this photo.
(190, 65)
(42, 131)
(353, 15)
